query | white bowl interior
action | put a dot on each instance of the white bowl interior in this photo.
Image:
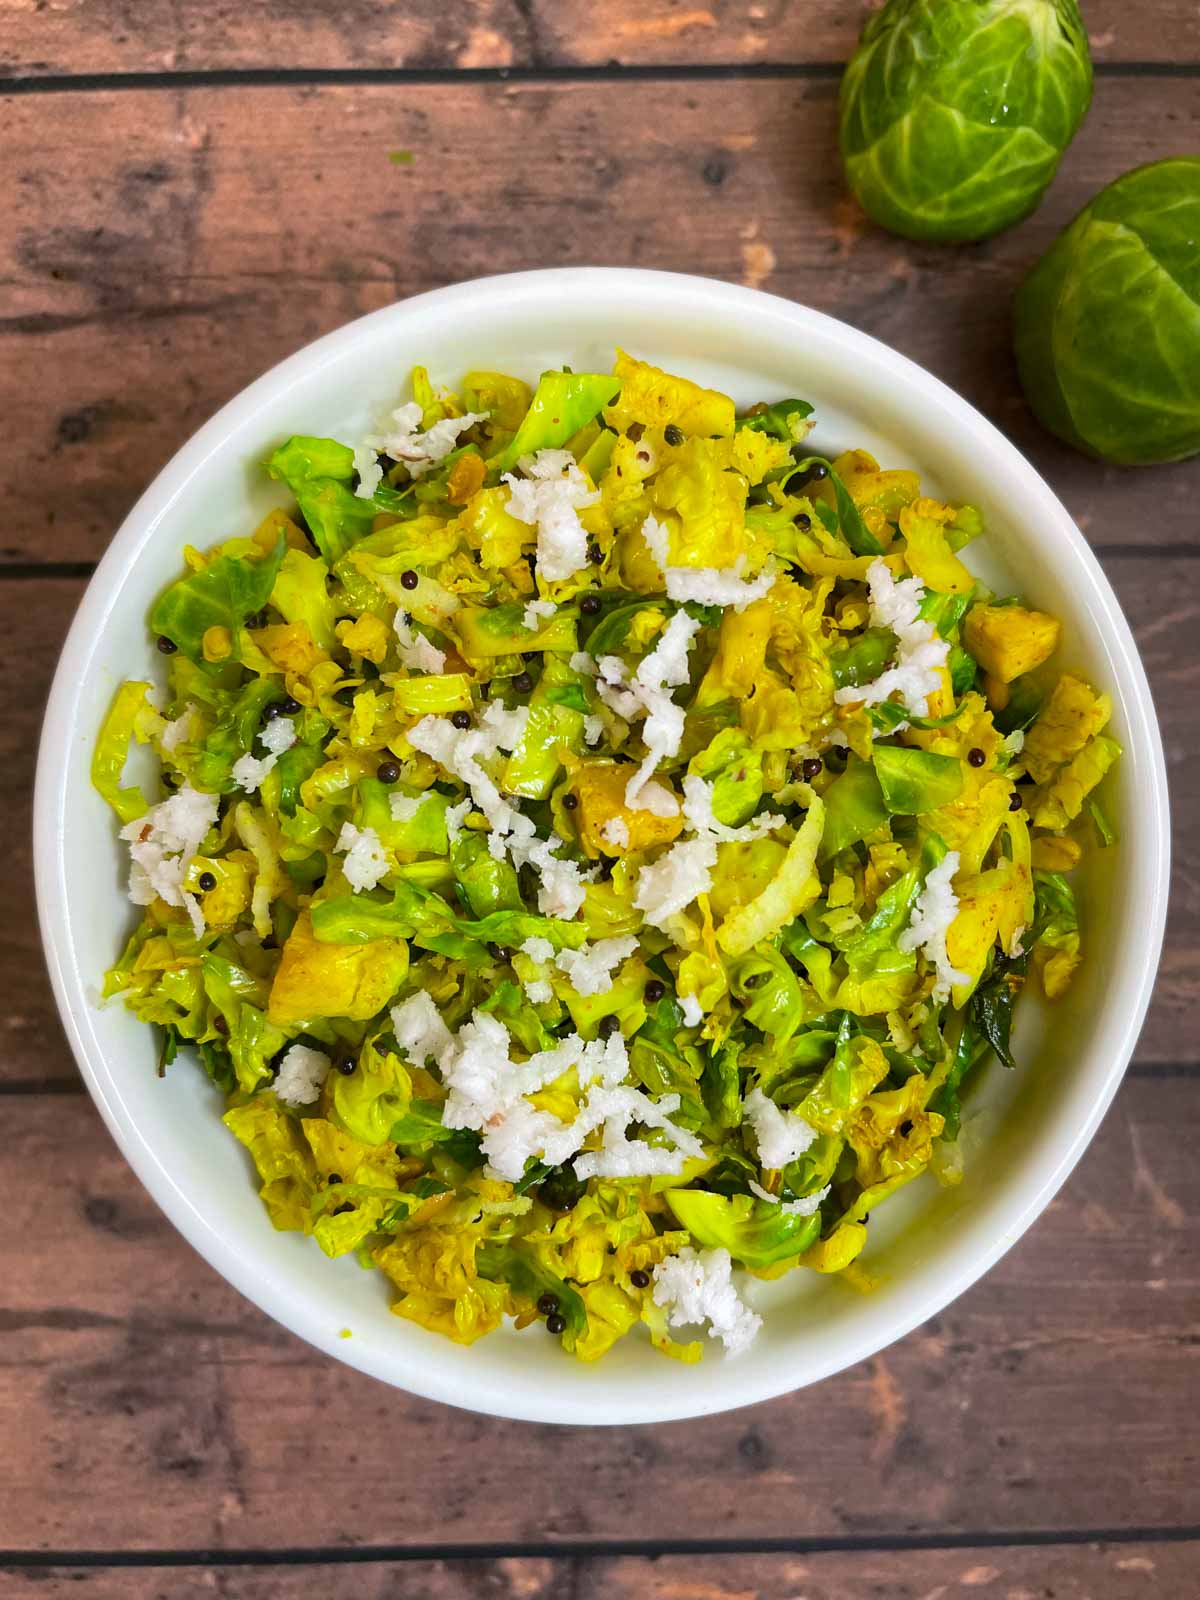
(1025, 1130)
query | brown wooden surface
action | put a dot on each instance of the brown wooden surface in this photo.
(73, 36)
(164, 244)
(174, 245)
(157, 1409)
(1134, 1571)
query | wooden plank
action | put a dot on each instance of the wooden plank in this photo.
(1134, 1571)
(1158, 595)
(174, 245)
(144, 1405)
(74, 36)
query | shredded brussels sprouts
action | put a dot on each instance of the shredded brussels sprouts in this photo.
(570, 947)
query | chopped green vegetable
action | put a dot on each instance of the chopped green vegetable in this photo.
(562, 945)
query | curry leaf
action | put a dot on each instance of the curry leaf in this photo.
(992, 1005)
(850, 523)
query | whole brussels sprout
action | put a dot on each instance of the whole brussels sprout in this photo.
(1108, 322)
(955, 113)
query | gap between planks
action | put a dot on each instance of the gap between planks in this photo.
(881, 1544)
(614, 72)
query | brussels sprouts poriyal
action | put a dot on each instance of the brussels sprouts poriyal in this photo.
(598, 841)
(955, 113)
(1108, 322)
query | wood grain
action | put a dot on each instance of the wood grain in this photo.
(145, 1405)
(165, 245)
(1134, 1571)
(169, 247)
(73, 36)
(1158, 595)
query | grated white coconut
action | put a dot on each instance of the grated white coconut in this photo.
(456, 815)
(698, 809)
(657, 799)
(486, 1087)
(535, 611)
(612, 689)
(460, 752)
(693, 1011)
(419, 1029)
(488, 1092)
(648, 693)
(418, 653)
(709, 586)
(589, 969)
(405, 440)
(161, 846)
(404, 807)
(176, 733)
(697, 1290)
(667, 886)
(920, 651)
(781, 1136)
(279, 735)
(619, 1156)
(550, 497)
(366, 860)
(506, 727)
(250, 771)
(806, 1206)
(616, 832)
(935, 909)
(301, 1074)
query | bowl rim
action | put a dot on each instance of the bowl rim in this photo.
(741, 1384)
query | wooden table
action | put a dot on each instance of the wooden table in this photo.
(196, 190)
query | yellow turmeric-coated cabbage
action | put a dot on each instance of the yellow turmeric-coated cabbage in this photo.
(593, 840)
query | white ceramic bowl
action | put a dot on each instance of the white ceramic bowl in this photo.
(1027, 1129)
